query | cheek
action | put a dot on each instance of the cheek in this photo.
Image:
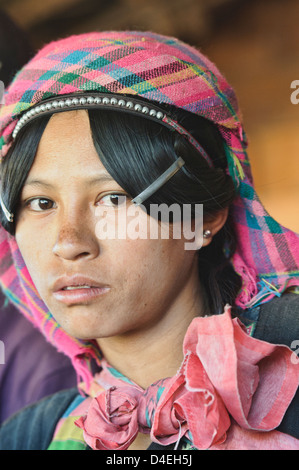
(33, 250)
(149, 264)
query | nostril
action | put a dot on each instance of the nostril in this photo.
(84, 254)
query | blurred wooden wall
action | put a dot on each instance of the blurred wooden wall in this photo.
(254, 43)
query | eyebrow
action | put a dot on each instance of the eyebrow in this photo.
(93, 181)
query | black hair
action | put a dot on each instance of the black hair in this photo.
(135, 151)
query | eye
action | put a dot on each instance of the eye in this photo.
(113, 200)
(39, 204)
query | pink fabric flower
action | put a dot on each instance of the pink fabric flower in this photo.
(190, 407)
(111, 422)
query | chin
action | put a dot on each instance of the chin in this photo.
(86, 327)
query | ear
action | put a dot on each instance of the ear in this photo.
(214, 225)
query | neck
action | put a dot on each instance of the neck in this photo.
(157, 351)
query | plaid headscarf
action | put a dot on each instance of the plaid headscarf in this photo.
(163, 70)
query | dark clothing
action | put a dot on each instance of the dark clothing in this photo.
(278, 323)
(32, 367)
(33, 427)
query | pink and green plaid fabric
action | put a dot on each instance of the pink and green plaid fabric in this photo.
(164, 70)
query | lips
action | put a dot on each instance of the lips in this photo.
(76, 281)
(78, 289)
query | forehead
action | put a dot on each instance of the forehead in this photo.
(67, 146)
(66, 128)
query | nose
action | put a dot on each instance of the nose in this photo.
(76, 237)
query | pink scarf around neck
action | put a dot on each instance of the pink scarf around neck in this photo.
(230, 392)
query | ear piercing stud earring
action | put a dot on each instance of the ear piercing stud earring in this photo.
(207, 233)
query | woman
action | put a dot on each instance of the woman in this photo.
(98, 130)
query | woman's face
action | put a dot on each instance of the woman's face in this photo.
(95, 286)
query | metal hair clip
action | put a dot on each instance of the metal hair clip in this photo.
(152, 188)
(7, 214)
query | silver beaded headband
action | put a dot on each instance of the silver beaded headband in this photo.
(87, 101)
(108, 101)
(119, 103)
